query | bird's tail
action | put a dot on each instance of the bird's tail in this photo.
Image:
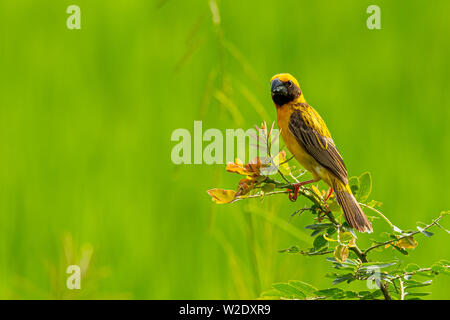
(352, 211)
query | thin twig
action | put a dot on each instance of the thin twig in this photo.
(316, 253)
(282, 175)
(403, 237)
(379, 213)
(362, 256)
(411, 273)
(259, 195)
(286, 161)
(402, 290)
(299, 211)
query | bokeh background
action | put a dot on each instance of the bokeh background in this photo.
(86, 118)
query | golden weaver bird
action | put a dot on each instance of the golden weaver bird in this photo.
(309, 140)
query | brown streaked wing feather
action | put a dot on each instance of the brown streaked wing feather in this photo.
(321, 148)
(315, 121)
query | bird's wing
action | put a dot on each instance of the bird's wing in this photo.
(314, 136)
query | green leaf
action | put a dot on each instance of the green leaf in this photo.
(418, 294)
(351, 294)
(411, 267)
(436, 268)
(426, 233)
(338, 296)
(377, 265)
(426, 274)
(386, 276)
(331, 231)
(341, 253)
(289, 291)
(407, 243)
(364, 295)
(369, 295)
(345, 236)
(345, 277)
(365, 186)
(275, 294)
(319, 226)
(403, 251)
(347, 228)
(315, 232)
(329, 292)
(349, 264)
(417, 284)
(304, 287)
(293, 249)
(319, 242)
(268, 187)
(353, 262)
(444, 262)
(376, 294)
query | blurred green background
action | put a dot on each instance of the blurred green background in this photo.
(86, 118)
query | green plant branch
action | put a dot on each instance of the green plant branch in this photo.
(259, 195)
(321, 207)
(362, 256)
(402, 290)
(320, 253)
(411, 273)
(434, 223)
(258, 185)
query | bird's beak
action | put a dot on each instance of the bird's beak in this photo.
(277, 87)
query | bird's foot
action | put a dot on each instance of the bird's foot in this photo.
(325, 204)
(296, 188)
(293, 197)
(328, 196)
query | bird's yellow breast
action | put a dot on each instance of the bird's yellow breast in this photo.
(308, 162)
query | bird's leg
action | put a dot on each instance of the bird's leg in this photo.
(299, 184)
(296, 186)
(329, 194)
(326, 206)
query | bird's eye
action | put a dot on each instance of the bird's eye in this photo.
(289, 83)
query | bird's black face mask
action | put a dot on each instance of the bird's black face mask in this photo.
(284, 92)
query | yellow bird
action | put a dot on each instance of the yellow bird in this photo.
(309, 140)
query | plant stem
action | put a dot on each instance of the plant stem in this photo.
(435, 222)
(316, 253)
(362, 256)
(322, 208)
(411, 273)
(379, 213)
(402, 290)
